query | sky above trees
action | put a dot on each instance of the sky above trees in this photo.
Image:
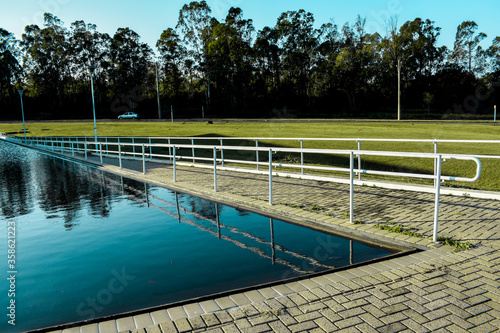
(230, 65)
(150, 18)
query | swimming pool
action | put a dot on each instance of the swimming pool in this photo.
(91, 244)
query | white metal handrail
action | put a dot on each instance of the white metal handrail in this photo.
(85, 147)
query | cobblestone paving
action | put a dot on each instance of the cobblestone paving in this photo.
(434, 291)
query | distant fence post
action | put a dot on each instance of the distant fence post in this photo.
(143, 160)
(270, 176)
(215, 169)
(351, 186)
(120, 155)
(173, 159)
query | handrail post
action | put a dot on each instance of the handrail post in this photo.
(359, 160)
(270, 176)
(215, 169)
(221, 152)
(192, 148)
(257, 152)
(133, 146)
(85, 143)
(435, 161)
(169, 150)
(301, 157)
(436, 205)
(351, 187)
(150, 150)
(173, 161)
(100, 151)
(143, 160)
(120, 154)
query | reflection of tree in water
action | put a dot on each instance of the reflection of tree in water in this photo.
(204, 208)
(15, 197)
(64, 187)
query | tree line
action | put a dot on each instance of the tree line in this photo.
(229, 69)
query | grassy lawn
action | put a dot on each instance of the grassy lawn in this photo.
(490, 178)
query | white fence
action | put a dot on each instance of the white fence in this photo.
(146, 149)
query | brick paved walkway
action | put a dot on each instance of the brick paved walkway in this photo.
(431, 291)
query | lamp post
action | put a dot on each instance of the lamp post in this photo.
(91, 71)
(399, 89)
(158, 91)
(20, 91)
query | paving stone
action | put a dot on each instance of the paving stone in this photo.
(193, 309)
(177, 313)
(160, 316)
(437, 324)
(209, 306)
(231, 328)
(108, 327)
(71, 330)
(225, 302)
(182, 325)
(197, 322)
(210, 319)
(394, 327)
(90, 328)
(223, 317)
(278, 327)
(305, 326)
(344, 323)
(240, 299)
(143, 320)
(254, 296)
(168, 327)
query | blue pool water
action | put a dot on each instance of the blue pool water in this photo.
(90, 244)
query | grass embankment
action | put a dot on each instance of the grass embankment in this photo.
(490, 178)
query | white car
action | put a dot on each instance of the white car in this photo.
(129, 115)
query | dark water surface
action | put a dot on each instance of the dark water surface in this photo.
(90, 244)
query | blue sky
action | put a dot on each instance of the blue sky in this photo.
(149, 18)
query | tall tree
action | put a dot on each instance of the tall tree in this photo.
(298, 40)
(195, 23)
(172, 54)
(130, 67)
(46, 58)
(355, 67)
(467, 52)
(267, 63)
(230, 54)
(494, 55)
(9, 65)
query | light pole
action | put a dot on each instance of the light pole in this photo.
(91, 71)
(399, 89)
(158, 91)
(20, 91)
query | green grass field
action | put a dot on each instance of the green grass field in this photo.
(490, 178)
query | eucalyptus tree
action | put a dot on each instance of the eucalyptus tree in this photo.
(356, 64)
(172, 56)
(46, 58)
(130, 67)
(230, 56)
(195, 25)
(10, 68)
(329, 47)
(467, 51)
(494, 56)
(88, 47)
(298, 41)
(266, 61)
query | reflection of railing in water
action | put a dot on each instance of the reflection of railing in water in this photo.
(274, 247)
